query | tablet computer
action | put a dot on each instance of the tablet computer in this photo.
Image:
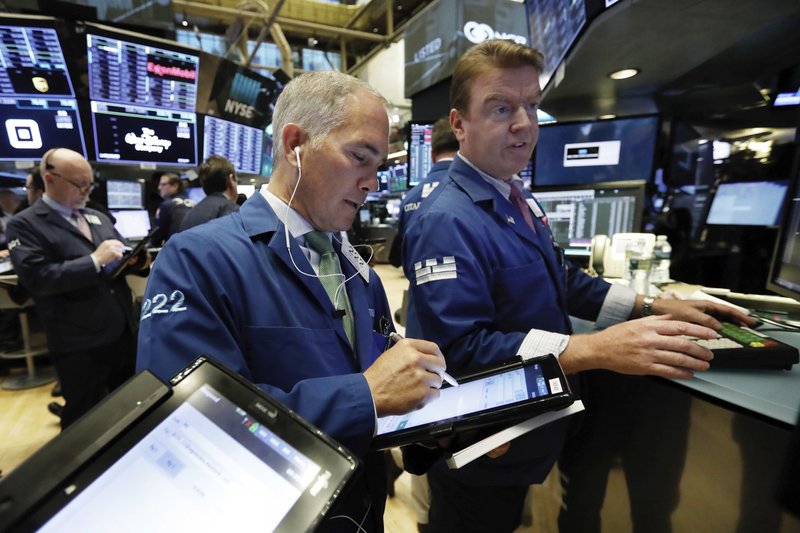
(212, 453)
(122, 266)
(505, 394)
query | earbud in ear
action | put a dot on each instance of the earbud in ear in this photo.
(297, 150)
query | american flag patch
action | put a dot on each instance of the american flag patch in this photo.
(435, 269)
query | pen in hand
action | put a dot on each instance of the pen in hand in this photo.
(396, 337)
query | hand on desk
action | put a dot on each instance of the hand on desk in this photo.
(646, 346)
(406, 376)
(700, 312)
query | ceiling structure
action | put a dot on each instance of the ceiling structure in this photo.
(712, 63)
(357, 32)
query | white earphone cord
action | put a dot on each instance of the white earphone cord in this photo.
(289, 246)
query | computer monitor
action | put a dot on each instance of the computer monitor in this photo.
(133, 224)
(419, 151)
(578, 213)
(393, 179)
(143, 95)
(784, 277)
(753, 203)
(241, 145)
(37, 99)
(601, 151)
(124, 194)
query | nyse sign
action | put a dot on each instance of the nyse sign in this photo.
(477, 32)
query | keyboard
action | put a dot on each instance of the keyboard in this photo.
(743, 347)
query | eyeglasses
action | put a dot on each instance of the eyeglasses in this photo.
(83, 189)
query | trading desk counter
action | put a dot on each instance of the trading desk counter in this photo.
(699, 454)
(774, 394)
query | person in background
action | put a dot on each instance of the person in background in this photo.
(444, 146)
(173, 209)
(63, 255)
(218, 178)
(34, 189)
(502, 287)
(276, 292)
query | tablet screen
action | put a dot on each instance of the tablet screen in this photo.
(483, 394)
(197, 469)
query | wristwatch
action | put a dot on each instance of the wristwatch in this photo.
(647, 305)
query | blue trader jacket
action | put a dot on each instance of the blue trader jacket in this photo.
(480, 280)
(229, 289)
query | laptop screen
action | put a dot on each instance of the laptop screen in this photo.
(198, 469)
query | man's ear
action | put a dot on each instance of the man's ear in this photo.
(292, 136)
(456, 124)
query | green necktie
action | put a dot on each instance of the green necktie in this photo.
(330, 272)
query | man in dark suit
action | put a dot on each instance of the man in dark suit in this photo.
(218, 178)
(64, 254)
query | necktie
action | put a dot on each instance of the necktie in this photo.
(331, 276)
(520, 203)
(82, 224)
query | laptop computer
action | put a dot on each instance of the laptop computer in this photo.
(210, 451)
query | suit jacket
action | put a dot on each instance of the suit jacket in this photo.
(79, 307)
(480, 280)
(213, 206)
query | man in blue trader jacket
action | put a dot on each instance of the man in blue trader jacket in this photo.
(247, 290)
(444, 146)
(488, 283)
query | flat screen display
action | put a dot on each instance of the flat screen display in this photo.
(143, 101)
(124, 194)
(577, 214)
(419, 151)
(241, 145)
(393, 179)
(554, 26)
(31, 126)
(38, 109)
(755, 203)
(601, 151)
(195, 194)
(785, 272)
(132, 224)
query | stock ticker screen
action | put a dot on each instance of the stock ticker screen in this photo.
(143, 102)
(38, 109)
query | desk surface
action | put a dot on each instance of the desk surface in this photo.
(771, 393)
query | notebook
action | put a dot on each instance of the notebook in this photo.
(209, 452)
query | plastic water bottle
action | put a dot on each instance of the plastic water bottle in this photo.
(661, 260)
(639, 266)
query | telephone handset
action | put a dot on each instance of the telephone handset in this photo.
(613, 252)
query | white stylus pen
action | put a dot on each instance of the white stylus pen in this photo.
(396, 337)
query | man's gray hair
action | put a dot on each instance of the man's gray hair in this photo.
(315, 101)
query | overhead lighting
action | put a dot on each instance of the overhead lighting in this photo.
(394, 155)
(624, 74)
(607, 117)
(185, 21)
